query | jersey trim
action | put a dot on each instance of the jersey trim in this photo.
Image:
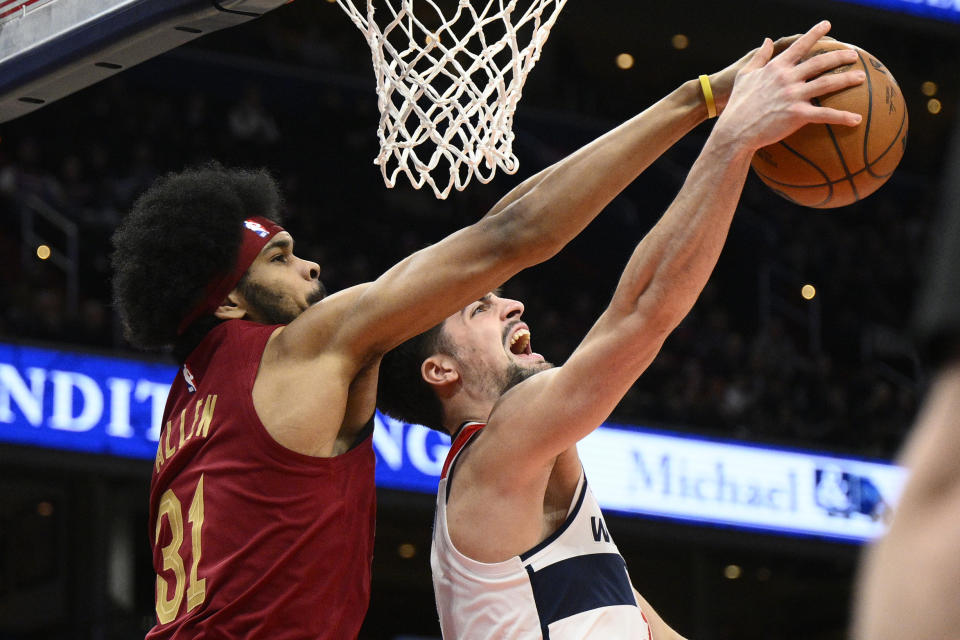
(461, 438)
(578, 584)
(566, 524)
(544, 628)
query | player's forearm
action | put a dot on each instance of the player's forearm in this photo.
(671, 265)
(561, 200)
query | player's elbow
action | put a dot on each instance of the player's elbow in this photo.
(640, 334)
(653, 313)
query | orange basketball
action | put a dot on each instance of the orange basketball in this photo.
(826, 166)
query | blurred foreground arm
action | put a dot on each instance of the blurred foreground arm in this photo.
(909, 585)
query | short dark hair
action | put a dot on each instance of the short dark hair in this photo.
(402, 393)
(181, 233)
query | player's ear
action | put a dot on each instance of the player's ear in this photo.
(231, 308)
(440, 370)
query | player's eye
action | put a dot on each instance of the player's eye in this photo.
(477, 309)
(280, 257)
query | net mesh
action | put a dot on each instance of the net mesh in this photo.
(448, 84)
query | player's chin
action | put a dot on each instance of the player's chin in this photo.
(534, 363)
(518, 372)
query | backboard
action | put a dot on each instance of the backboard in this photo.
(52, 48)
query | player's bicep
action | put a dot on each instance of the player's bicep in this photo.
(363, 322)
(423, 289)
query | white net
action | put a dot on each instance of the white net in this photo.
(448, 85)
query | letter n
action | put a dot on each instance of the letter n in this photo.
(206, 417)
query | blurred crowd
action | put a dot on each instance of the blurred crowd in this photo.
(754, 360)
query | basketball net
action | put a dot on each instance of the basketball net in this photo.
(447, 87)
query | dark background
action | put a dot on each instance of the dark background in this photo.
(753, 361)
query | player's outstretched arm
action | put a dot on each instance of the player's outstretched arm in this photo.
(671, 265)
(529, 225)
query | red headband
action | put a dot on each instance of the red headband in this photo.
(256, 234)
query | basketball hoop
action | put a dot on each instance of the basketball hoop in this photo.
(447, 87)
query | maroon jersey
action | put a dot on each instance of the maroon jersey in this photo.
(251, 539)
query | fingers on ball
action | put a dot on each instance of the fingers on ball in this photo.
(827, 61)
(803, 44)
(834, 82)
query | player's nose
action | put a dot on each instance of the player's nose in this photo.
(510, 308)
(311, 270)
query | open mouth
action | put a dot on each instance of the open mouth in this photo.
(520, 343)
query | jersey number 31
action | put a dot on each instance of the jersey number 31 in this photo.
(169, 604)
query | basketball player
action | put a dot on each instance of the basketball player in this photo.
(909, 584)
(262, 497)
(520, 548)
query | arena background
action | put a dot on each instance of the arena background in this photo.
(754, 361)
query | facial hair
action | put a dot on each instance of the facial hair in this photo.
(499, 382)
(272, 306)
(318, 294)
(515, 374)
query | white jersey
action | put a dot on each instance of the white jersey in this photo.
(572, 586)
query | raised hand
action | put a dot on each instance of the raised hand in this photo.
(722, 81)
(772, 93)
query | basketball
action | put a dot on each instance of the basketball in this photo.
(826, 166)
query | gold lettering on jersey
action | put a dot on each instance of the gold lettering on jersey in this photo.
(158, 462)
(204, 427)
(183, 422)
(196, 416)
(200, 427)
(167, 449)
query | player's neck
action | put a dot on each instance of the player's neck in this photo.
(457, 413)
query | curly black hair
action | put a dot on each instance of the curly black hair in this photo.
(402, 393)
(181, 233)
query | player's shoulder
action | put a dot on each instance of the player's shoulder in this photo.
(231, 337)
(315, 331)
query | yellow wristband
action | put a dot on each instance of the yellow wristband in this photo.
(708, 96)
